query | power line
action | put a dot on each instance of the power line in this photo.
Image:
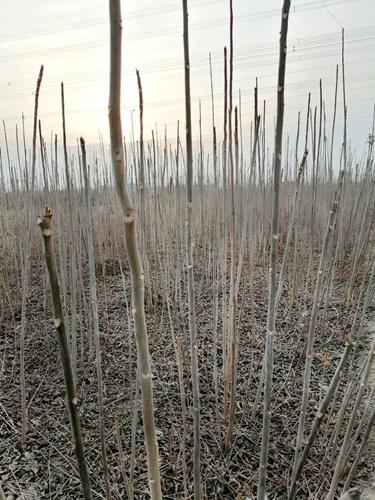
(331, 14)
(50, 88)
(297, 47)
(165, 31)
(60, 28)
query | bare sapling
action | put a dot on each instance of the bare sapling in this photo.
(45, 224)
(26, 269)
(318, 419)
(141, 181)
(232, 347)
(73, 250)
(137, 275)
(224, 238)
(313, 321)
(343, 455)
(95, 317)
(272, 290)
(189, 259)
(290, 229)
(359, 455)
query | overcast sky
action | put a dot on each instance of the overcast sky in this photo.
(70, 38)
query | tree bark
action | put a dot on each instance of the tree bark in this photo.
(129, 215)
(45, 224)
(271, 317)
(189, 258)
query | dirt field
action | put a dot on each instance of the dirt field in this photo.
(47, 469)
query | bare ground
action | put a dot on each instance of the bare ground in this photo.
(46, 469)
(369, 480)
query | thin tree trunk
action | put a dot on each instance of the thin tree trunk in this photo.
(45, 224)
(271, 316)
(26, 269)
(95, 315)
(290, 230)
(318, 419)
(312, 325)
(232, 360)
(189, 257)
(129, 216)
(73, 252)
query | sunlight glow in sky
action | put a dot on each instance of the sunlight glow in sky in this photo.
(71, 39)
